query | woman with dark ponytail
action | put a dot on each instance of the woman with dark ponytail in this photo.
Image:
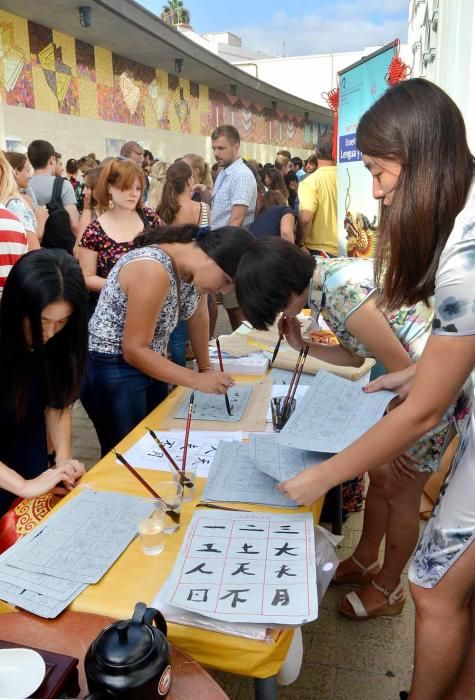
(178, 208)
(176, 205)
(145, 295)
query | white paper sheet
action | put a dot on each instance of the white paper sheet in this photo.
(190, 619)
(278, 461)
(280, 390)
(333, 414)
(202, 446)
(36, 603)
(247, 567)
(234, 477)
(213, 406)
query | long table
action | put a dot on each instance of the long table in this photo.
(138, 577)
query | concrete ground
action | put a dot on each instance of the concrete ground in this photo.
(343, 660)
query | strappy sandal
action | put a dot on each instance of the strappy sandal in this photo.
(361, 577)
(394, 606)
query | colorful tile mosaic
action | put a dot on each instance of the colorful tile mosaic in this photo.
(41, 68)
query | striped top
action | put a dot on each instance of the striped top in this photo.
(13, 243)
(204, 219)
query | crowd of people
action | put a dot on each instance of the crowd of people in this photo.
(108, 269)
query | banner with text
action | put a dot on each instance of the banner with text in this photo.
(360, 86)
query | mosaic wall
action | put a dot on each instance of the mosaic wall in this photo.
(41, 68)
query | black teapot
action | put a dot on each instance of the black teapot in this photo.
(130, 659)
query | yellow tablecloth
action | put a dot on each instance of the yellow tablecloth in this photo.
(138, 577)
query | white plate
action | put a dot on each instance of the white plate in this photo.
(21, 672)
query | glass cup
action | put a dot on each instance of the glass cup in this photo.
(171, 493)
(281, 410)
(152, 530)
(188, 480)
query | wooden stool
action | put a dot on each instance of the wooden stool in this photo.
(72, 633)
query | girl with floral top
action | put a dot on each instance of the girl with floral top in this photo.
(119, 190)
(414, 144)
(343, 289)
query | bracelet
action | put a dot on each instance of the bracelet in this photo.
(204, 369)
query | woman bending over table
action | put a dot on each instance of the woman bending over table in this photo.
(145, 295)
(343, 290)
(43, 348)
(414, 144)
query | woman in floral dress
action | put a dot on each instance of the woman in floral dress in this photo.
(119, 191)
(343, 289)
(414, 144)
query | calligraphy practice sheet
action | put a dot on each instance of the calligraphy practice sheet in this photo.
(281, 390)
(49, 567)
(333, 414)
(37, 603)
(213, 406)
(81, 541)
(247, 567)
(202, 446)
(278, 461)
(234, 477)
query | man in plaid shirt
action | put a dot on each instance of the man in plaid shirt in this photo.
(234, 197)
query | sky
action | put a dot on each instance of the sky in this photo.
(306, 26)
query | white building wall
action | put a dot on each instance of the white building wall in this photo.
(442, 39)
(308, 76)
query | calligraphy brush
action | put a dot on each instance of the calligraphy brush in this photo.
(187, 430)
(173, 515)
(220, 358)
(287, 402)
(184, 480)
(212, 505)
(299, 374)
(276, 349)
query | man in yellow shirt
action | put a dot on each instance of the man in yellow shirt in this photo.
(317, 223)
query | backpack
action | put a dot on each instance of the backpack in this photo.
(58, 232)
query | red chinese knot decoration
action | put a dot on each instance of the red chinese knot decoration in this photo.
(332, 99)
(398, 70)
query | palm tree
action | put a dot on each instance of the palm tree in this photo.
(174, 12)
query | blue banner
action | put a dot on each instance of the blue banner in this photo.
(360, 86)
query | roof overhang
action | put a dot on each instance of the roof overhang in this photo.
(128, 29)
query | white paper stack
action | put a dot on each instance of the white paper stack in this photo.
(253, 364)
(246, 568)
(48, 568)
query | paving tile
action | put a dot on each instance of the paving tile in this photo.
(331, 649)
(385, 658)
(404, 628)
(317, 682)
(360, 685)
(380, 628)
(228, 682)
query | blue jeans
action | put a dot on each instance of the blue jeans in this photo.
(117, 396)
(176, 344)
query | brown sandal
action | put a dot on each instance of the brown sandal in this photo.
(361, 577)
(394, 606)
